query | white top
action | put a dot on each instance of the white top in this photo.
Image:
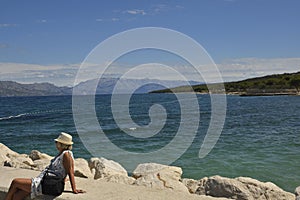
(57, 167)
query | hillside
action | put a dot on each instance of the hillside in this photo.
(11, 88)
(277, 84)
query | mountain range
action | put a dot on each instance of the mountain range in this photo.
(105, 86)
(288, 83)
(11, 88)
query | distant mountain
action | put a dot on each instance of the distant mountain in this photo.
(105, 86)
(11, 88)
(126, 86)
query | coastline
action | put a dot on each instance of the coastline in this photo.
(246, 93)
(107, 179)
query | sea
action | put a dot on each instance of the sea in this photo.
(260, 137)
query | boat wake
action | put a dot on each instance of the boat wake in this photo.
(12, 117)
(31, 114)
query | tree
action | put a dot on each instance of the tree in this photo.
(295, 82)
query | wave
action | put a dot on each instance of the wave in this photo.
(37, 113)
(12, 116)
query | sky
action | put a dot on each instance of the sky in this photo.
(47, 41)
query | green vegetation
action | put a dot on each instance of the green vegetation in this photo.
(274, 82)
(295, 82)
(288, 83)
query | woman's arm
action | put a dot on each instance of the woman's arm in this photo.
(69, 167)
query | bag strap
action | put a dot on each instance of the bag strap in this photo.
(48, 169)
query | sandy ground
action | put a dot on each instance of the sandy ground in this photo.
(98, 189)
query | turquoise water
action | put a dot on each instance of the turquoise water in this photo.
(260, 138)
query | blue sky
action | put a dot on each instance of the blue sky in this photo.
(47, 40)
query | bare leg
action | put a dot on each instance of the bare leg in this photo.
(23, 184)
(20, 195)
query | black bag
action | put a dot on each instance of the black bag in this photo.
(52, 184)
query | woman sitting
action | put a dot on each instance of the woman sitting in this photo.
(62, 165)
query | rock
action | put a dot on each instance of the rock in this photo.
(195, 186)
(201, 189)
(81, 168)
(297, 193)
(150, 180)
(11, 158)
(36, 155)
(159, 176)
(2, 159)
(243, 188)
(19, 161)
(218, 186)
(40, 160)
(4, 150)
(155, 176)
(106, 168)
(120, 179)
(41, 164)
(268, 190)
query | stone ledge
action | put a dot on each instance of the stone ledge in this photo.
(99, 189)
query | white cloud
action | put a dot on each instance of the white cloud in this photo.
(114, 19)
(243, 68)
(136, 12)
(7, 25)
(20, 67)
(132, 14)
(152, 10)
(158, 8)
(42, 21)
(29, 73)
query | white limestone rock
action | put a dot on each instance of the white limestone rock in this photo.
(81, 168)
(244, 188)
(105, 168)
(36, 155)
(159, 176)
(40, 160)
(11, 158)
(268, 190)
(117, 178)
(19, 161)
(4, 150)
(297, 193)
(41, 164)
(218, 186)
(195, 186)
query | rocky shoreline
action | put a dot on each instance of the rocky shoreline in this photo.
(153, 175)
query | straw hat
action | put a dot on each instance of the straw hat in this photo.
(64, 138)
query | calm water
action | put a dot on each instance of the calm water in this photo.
(260, 138)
